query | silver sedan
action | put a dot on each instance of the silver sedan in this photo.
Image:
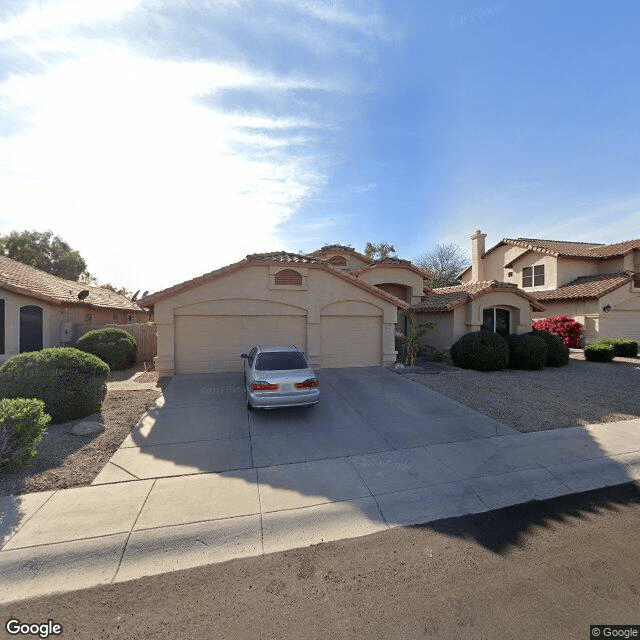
(279, 376)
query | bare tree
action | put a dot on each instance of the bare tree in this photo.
(443, 264)
(378, 251)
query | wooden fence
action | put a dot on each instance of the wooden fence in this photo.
(143, 332)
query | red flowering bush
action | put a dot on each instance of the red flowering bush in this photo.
(567, 329)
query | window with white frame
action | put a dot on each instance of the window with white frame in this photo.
(533, 276)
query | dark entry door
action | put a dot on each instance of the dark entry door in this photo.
(30, 328)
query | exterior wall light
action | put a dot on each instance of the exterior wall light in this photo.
(606, 308)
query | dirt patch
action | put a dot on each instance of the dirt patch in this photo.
(65, 460)
(148, 376)
(553, 398)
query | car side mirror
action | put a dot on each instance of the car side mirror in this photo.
(244, 355)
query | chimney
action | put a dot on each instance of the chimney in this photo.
(477, 251)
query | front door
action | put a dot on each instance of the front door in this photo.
(30, 328)
(496, 320)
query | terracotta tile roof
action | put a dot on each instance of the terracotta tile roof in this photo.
(585, 287)
(284, 256)
(554, 247)
(275, 256)
(447, 298)
(575, 249)
(340, 248)
(29, 281)
(392, 260)
(616, 249)
(560, 248)
(337, 247)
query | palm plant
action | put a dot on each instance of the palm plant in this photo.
(412, 345)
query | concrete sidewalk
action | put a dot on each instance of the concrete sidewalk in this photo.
(75, 538)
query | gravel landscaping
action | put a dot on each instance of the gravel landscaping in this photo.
(578, 394)
(65, 460)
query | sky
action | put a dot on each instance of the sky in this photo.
(164, 139)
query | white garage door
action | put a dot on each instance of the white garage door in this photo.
(620, 324)
(351, 341)
(211, 344)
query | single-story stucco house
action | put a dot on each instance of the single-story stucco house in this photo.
(339, 306)
(38, 309)
(488, 305)
(336, 318)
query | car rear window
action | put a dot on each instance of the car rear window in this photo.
(280, 361)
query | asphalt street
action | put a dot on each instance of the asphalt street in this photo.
(539, 570)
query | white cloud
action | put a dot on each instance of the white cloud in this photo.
(63, 15)
(118, 153)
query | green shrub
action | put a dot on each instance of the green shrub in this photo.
(116, 347)
(557, 351)
(482, 351)
(599, 352)
(71, 383)
(527, 352)
(622, 348)
(23, 422)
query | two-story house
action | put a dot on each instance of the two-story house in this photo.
(596, 284)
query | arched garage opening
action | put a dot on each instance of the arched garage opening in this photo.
(30, 328)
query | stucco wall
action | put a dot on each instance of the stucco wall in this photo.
(494, 261)
(396, 275)
(442, 335)
(623, 320)
(569, 269)
(531, 259)
(54, 319)
(520, 310)
(623, 317)
(235, 293)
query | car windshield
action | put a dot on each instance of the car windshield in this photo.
(280, 361)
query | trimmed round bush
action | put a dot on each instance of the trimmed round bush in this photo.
(599, 352)
(527, 352)
(622, 348)
(116, 347)
(71, 383)
(482, 351)
(23, 422)
(557, 351)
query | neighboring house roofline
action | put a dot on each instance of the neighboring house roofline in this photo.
(272, 258)
(28, 281)
(586, 287)
(394, 263)
(566, 249)
(340, 249)
(447, 298)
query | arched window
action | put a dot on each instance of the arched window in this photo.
(338, 261)
(288, 276)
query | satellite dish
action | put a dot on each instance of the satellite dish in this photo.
(83, 294)
(146, 293)
(134, 297)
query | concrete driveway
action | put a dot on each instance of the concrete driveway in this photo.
(204, 425)
(202, 480)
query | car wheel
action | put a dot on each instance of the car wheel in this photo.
(249, 406)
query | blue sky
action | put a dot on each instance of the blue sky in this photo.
(164, 139)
